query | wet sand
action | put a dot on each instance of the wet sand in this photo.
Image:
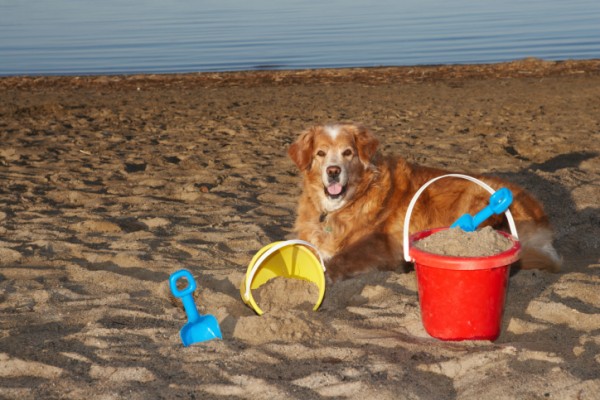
(110, 184)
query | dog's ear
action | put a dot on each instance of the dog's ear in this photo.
(301, 150)
(366, 143)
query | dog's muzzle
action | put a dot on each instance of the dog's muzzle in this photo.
(334, 188)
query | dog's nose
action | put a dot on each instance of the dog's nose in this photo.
(333, 171)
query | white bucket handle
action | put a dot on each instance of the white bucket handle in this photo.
(411, 205)
(272, 250)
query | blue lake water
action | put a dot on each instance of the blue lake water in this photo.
(155, 36)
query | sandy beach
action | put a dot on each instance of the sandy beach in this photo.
(111, 183)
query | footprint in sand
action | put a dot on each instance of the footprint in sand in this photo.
(96, 226)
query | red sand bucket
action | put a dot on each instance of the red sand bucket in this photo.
(461, 298)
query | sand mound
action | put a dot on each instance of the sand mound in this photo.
(282, 294)
(455, 242)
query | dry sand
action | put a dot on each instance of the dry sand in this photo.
(109, 184)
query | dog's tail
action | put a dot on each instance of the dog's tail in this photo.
(537, 251)
(533, 227)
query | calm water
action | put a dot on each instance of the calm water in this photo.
(157, 36)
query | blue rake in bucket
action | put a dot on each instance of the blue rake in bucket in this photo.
(199, 328)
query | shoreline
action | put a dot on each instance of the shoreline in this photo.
(530, 67)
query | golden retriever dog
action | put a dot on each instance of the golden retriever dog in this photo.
(354, 201)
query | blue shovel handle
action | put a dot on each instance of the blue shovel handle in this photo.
(186, 293)
(499, 203)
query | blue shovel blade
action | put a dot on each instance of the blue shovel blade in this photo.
(465, 222)
(199, 328)
(205, 328)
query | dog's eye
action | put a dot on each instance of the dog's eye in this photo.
(347, 153)
(320, 153)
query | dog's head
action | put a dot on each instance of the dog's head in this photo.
(334, 159)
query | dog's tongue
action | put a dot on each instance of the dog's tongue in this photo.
(334, 189)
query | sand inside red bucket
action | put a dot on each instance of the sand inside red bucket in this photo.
(455, 242)
(286, 293)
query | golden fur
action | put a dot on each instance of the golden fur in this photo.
(354, 201)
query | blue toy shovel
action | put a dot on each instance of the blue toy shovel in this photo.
(499, 203)
(199, 328)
